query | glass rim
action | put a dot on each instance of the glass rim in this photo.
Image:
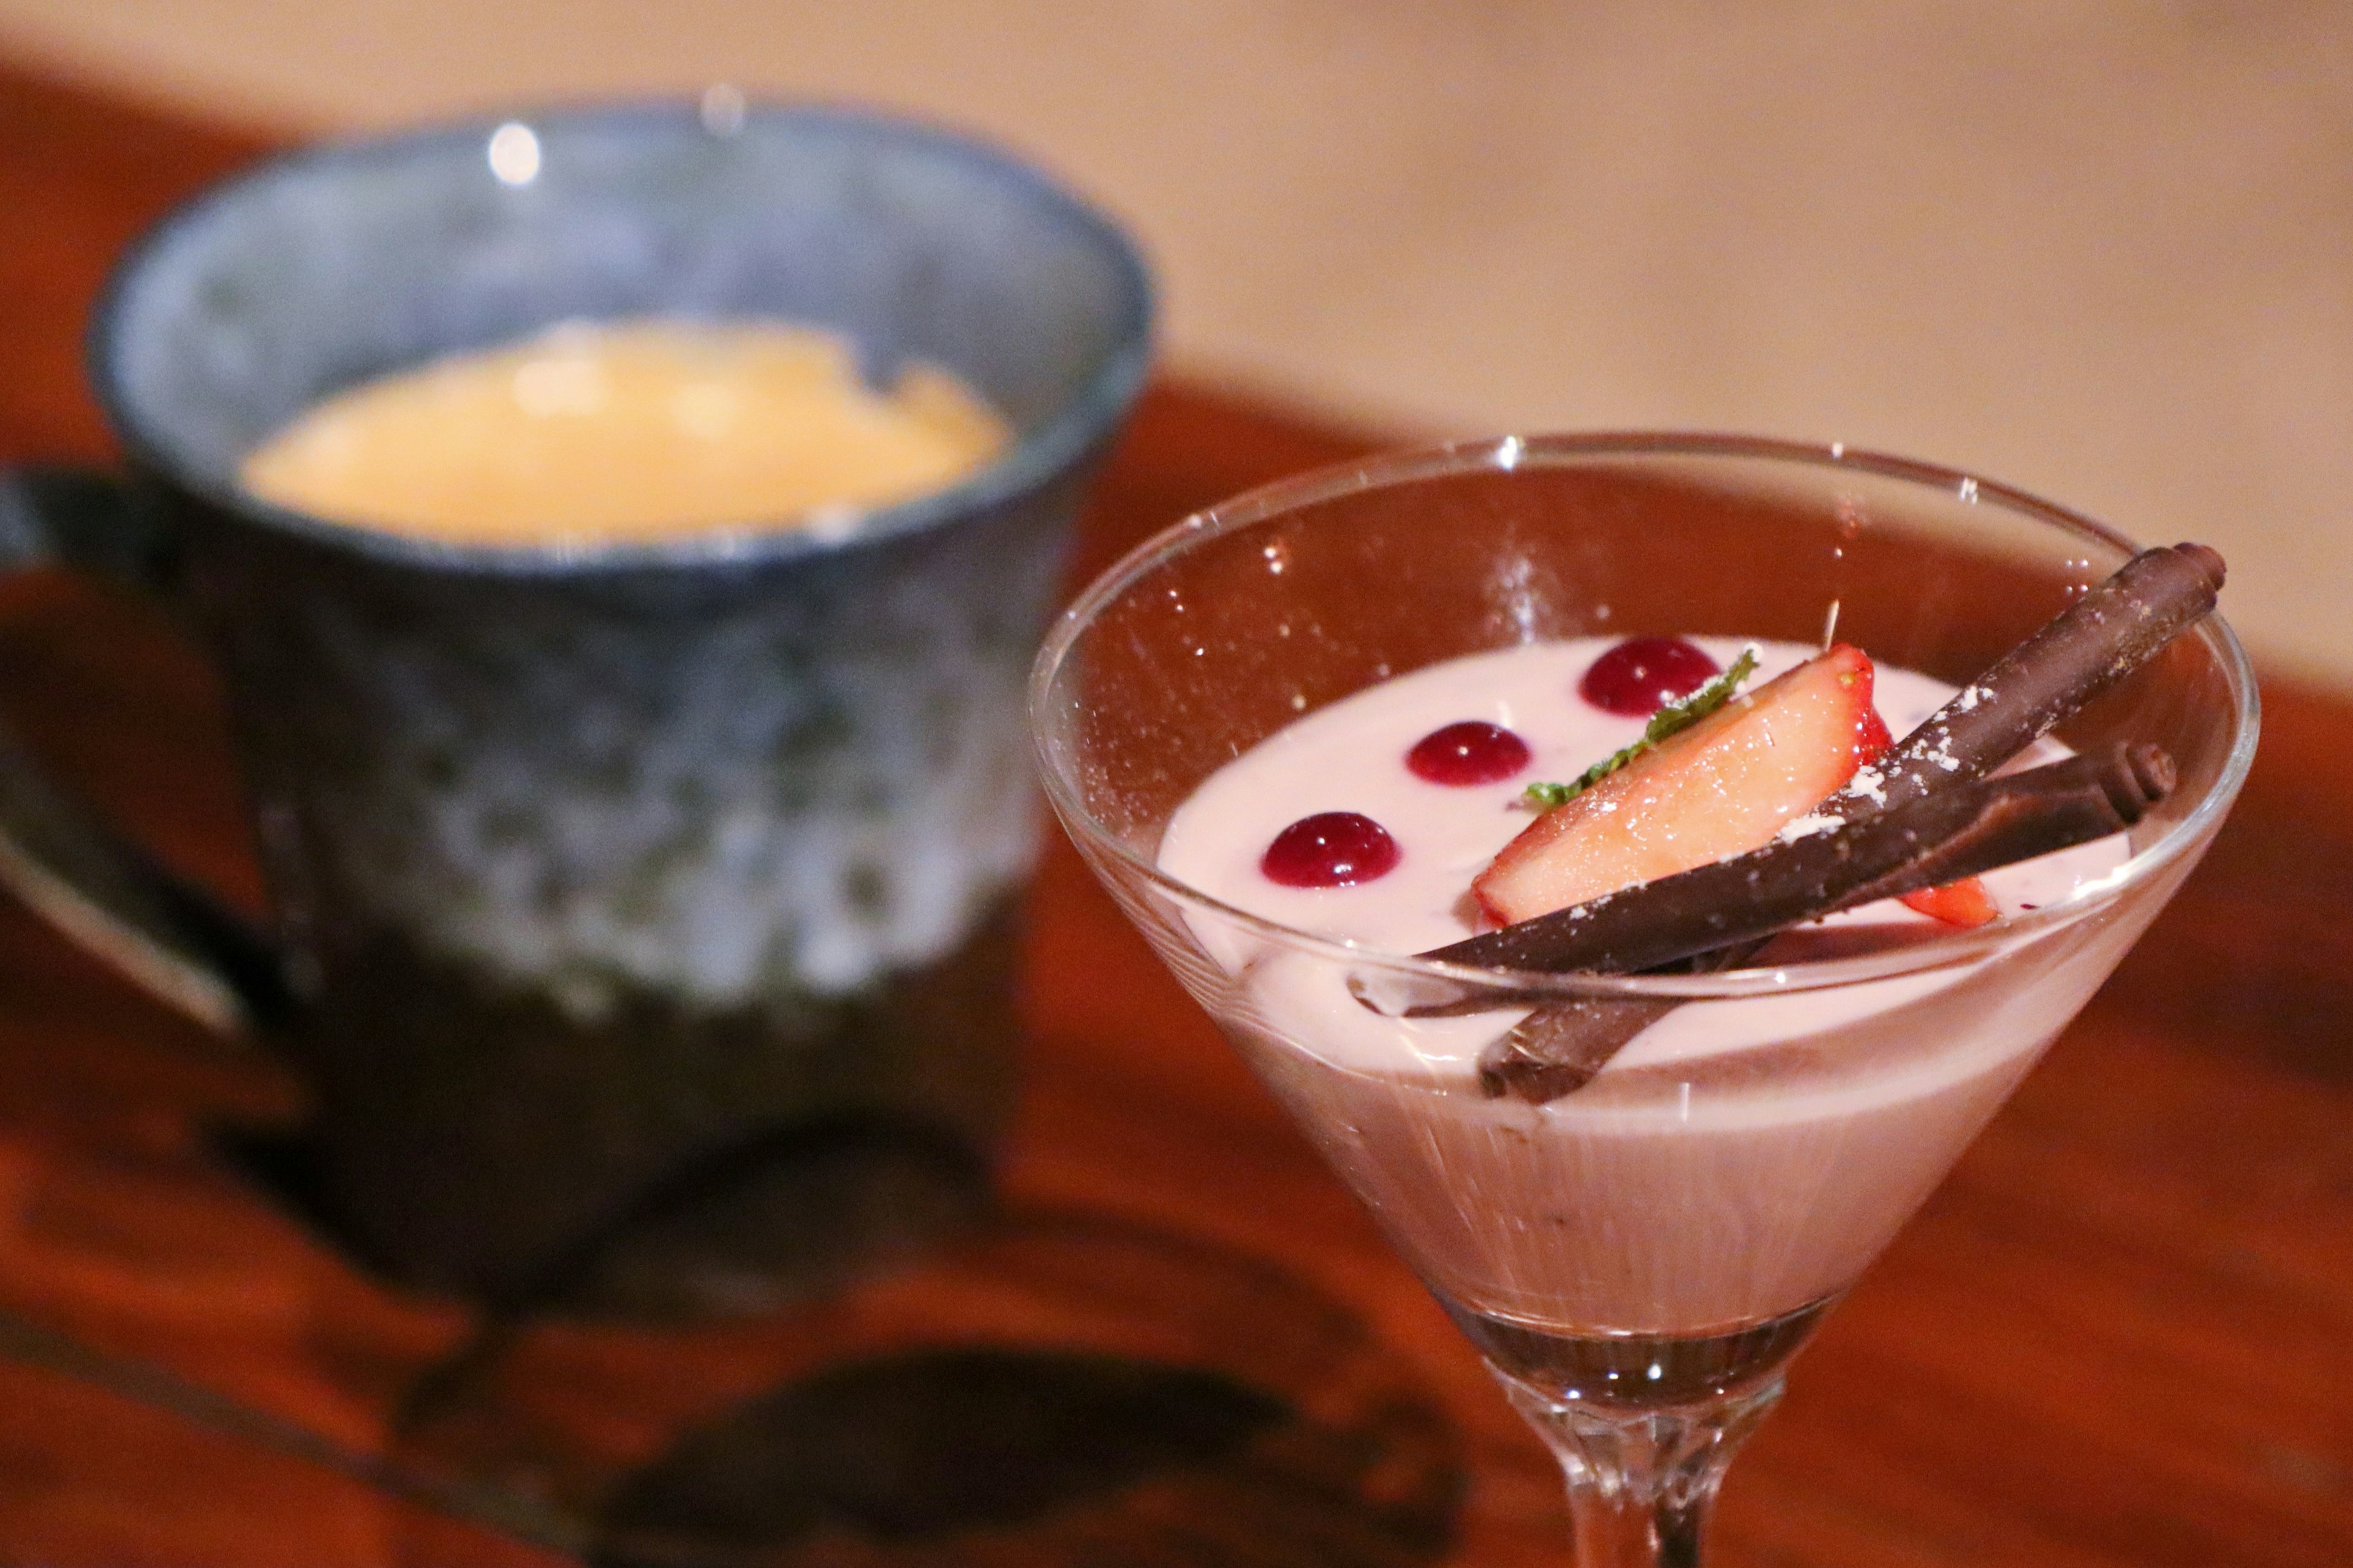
(1945, 950)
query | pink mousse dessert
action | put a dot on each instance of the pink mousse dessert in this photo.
(1740, 1160)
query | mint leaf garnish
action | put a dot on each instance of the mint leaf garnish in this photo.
(1672, 719)
(1680, 715)
(1544, 796)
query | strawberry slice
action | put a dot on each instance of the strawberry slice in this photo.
(1964, 903)
(1875, 737)
(1724, 786)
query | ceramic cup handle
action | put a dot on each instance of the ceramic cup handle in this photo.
(55, 853)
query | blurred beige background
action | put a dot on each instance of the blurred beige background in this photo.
(2100, 249)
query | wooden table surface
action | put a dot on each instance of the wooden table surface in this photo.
(2122, 1333)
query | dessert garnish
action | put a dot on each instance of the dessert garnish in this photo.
(1558, 1048)
(2112, 629)
(1965, 903)
(1330, 849)
(1472, 751)
(1667, 719)
(1930, 839)
(1718, 783)
(2103, 635)
(2096, 642)
(1642, 674)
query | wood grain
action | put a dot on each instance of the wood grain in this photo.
(2121, 1334)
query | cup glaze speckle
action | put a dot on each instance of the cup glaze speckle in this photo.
(597, 868)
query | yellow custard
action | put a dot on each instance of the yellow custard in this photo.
(627, 431)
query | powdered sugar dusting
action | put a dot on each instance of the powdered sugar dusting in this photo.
(1807, 826)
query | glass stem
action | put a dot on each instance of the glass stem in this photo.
(1640, 1482)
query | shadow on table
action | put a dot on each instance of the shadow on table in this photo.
(1051, 1388)
(1014, 1384)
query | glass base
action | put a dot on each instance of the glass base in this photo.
(1638, 1372)
(1643, 1424)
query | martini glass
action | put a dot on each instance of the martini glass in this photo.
(1638, 1260)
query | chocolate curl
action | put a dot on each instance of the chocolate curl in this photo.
(2096, 642)
(1557, 1049)
(2101, 637)
(1958, 831)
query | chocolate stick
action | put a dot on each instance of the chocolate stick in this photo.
(2096, 642)
(2112, 629)
(1558, 1048)
(1933, 838)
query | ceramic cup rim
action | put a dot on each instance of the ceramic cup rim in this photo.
(1946, 950)
(1085, 421)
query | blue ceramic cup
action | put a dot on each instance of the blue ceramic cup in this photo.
(644, 913)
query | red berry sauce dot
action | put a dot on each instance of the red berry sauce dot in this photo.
(1329, 849)
(1470, 753)
(1642, 675)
